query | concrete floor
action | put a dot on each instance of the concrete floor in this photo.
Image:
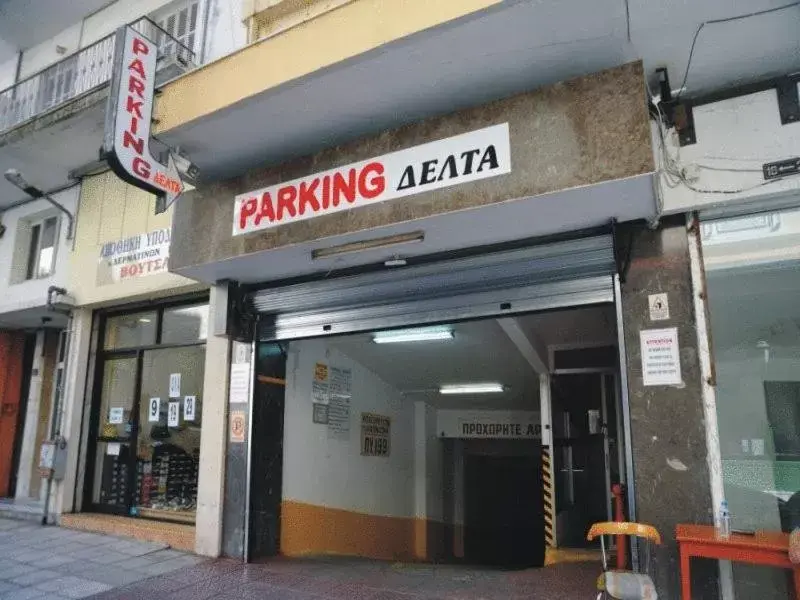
(355, 579)
(51, 563)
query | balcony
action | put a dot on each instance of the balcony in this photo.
(51, 124)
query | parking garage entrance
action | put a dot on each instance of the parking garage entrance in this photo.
(465, 410)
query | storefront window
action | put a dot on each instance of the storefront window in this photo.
(131, 330)
(753, 274)
(185, 324)
(148, 412)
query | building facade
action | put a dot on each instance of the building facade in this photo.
(610, 256)
(83, 245)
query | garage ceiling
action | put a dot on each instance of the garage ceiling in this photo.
(480, 352)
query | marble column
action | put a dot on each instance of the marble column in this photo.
(668, 434)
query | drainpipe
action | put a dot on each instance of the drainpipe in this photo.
(58, 408)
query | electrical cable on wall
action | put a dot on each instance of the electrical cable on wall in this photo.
(700, 27)
(673, 172)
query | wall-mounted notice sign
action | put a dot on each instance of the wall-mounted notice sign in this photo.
(375, 434)
(661, 360)
(116, 415)
(238, 426)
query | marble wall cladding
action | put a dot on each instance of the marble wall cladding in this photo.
(671, 476)
(571, 134)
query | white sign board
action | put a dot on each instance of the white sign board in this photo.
(174, 414)
(116, 415)
(128, 117)
(189, 404)
(174, 385)
(134, 257)
(661, 360)
(240, 383)
(659, 307)
(154, 410)
(340, 383)
(489, 424)
(443, 163)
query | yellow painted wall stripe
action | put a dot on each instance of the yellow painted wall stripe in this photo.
(331, 38)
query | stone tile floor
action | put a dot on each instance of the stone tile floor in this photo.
(51, 563)
(355, 579)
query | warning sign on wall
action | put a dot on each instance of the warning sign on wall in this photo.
(238, 426)
(375, 434)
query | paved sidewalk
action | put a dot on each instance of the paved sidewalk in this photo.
(357, 579)
(51, 563)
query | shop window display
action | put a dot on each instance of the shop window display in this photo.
(149, 417)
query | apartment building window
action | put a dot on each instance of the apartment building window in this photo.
(180, 21)
(42, 249)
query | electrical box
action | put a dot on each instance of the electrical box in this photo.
(53, 458)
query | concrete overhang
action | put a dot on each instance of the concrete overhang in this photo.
(49, 147)
(370, 66)
(573, 209)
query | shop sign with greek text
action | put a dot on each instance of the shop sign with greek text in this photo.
(443, 163)
(134, 257)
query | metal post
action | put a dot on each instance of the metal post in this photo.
(626, 417)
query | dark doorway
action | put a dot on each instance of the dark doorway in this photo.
(580, 453)
(503, 520)
(266, 469)
(27, 364)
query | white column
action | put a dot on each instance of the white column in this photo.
(211, 481)
(28, 452)
(74, 407)
(420, 456)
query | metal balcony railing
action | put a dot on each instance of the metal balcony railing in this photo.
(82, 72)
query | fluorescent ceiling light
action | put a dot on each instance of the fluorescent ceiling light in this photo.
(144, 320)
(419, 334)
(472, 388)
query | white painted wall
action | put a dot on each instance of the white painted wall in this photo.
(735, 137)
(428, 464)
(225, 32)
(8, 71)
(332, 473)
(42, 55)
(32, 293)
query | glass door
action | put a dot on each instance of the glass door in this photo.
(117, 425)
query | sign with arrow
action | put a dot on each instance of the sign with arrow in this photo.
(129, 115)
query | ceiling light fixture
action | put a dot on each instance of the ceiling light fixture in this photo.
(419, 334)
(375, 244)
(472, 388)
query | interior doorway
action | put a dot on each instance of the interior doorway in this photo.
(586, 451)
(503, 524)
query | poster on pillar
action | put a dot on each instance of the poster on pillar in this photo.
(133, 257)
(661, 360)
